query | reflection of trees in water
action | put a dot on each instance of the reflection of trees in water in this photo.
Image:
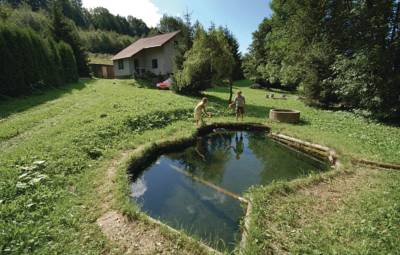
(207, 157)
(279, 162)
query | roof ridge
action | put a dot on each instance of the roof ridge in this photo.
(160, 35)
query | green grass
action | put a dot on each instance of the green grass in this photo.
(97, 58)
(55, 148)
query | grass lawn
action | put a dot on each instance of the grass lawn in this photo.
(98, 58)
(56, 148)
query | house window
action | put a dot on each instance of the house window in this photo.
(154, 63)
(121, 64)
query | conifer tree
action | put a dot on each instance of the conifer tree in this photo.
(64, 30)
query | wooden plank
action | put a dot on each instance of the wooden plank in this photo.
(211, 185)
(376, 164)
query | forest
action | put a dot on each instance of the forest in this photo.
(338, 54)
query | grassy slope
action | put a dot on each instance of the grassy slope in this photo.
(77, 131)
(97, 58)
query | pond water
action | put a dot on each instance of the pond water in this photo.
(233, 161)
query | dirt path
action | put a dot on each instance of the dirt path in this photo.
(135, 237)
(129, 235)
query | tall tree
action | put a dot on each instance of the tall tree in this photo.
(335, 51)
(65, 30)
(208, 62)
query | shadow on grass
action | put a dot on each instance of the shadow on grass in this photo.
(10, 106)
(142, 83)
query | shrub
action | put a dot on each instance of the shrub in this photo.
(29, 62)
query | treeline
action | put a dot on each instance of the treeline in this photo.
(337, 53)
(94, 19)
(96, 41)
(100, 41)
(100, 18)
(30, 62)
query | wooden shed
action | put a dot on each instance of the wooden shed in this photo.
(104, 71)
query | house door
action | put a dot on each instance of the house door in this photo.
(136, 64)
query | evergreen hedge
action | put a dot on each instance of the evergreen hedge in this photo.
(30, 62)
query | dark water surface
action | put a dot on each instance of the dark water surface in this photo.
(234, 161)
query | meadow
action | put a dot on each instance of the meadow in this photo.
(56, 146)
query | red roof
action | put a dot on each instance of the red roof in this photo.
(145, 43)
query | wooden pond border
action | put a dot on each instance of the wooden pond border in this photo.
(152, 151)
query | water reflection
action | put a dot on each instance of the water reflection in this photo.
(238, 160)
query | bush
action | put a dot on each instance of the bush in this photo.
(29, 62)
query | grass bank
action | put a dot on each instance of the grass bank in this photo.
(55, 149)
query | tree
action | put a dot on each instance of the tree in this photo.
(102, 19)
(35, 4)
(68, 62)
(234, 46)
(321, 47)
(208, 62)
(29, 61)
(65, 30)
(137, 26)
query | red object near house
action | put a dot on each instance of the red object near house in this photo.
(165, 84)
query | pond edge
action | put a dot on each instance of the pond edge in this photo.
(140, 159)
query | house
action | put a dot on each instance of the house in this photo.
(154, 54)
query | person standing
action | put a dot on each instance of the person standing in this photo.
(240, 103)
(199, 110)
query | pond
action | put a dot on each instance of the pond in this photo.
(196, 189)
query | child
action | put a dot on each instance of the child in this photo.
(240, 102)
(199, 110)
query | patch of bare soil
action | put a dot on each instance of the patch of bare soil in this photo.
(135, 237)
(106, 187)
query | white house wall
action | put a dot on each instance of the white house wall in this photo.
(128, 68)
(169, 52)
(165, 56)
